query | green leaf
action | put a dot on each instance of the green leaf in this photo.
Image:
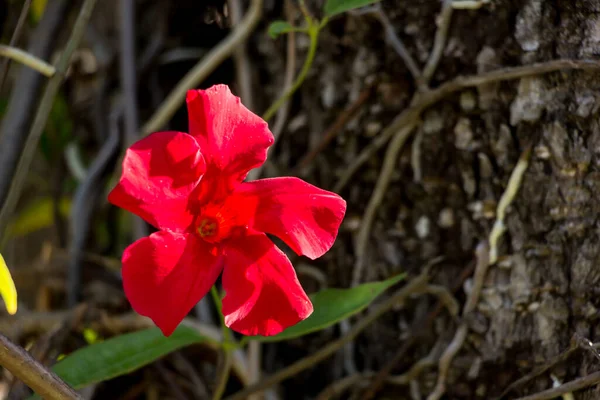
(335, 7)
(121, 355)
(279, 27)
(332, 306)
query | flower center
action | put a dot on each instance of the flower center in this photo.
(215, 222)
(208, 228)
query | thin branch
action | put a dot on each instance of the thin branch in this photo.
(417, 330)
(42, 116)
(445, 297)
(559, 359)
(433, 96)
(342, 385)
(414, 286)
(572, 386)
(469, 4)
(204, 68)
(44, 382)
(14, 39)
(28, 60)
(389, 166)
(446, 360)
(439, 42)
(395, 42)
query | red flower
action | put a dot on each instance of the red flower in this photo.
(190, 188)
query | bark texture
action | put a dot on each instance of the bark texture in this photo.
(544, 288)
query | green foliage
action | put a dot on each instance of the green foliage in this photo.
(279, 27)
(332, 306)
(335, 7)
(121, 355)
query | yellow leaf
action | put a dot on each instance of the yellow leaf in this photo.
(90, 336)
(37, 9)
(7, 288)
(38, 215)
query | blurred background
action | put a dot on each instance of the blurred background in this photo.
(437, 205)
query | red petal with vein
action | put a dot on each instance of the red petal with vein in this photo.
(159, 173)
(232, 138)
(263, 293)
(166, 274)
(305, 217)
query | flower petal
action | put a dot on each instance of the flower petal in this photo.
(166, 274)
(159, 173)
(305, 217)
(232, 138)
(263, 293)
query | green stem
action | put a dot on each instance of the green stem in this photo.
(313, 32)
(244, 341)
(217, 299)
(227, 346)
(223, 375)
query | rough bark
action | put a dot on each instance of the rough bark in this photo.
(544, 288)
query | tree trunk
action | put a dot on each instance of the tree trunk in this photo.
(450, 177)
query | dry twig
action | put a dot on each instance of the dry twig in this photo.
(28, 60)
(572, 386)
(393, 39)
(344, 384)
(416, 331)
(562, 357)
(44, 382)
(439, 42)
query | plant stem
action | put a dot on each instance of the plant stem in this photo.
(214, 292)
(313, 33)
(228, 345)
(27, 59)
(44, 382)
(223, 377)
(41, 117)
